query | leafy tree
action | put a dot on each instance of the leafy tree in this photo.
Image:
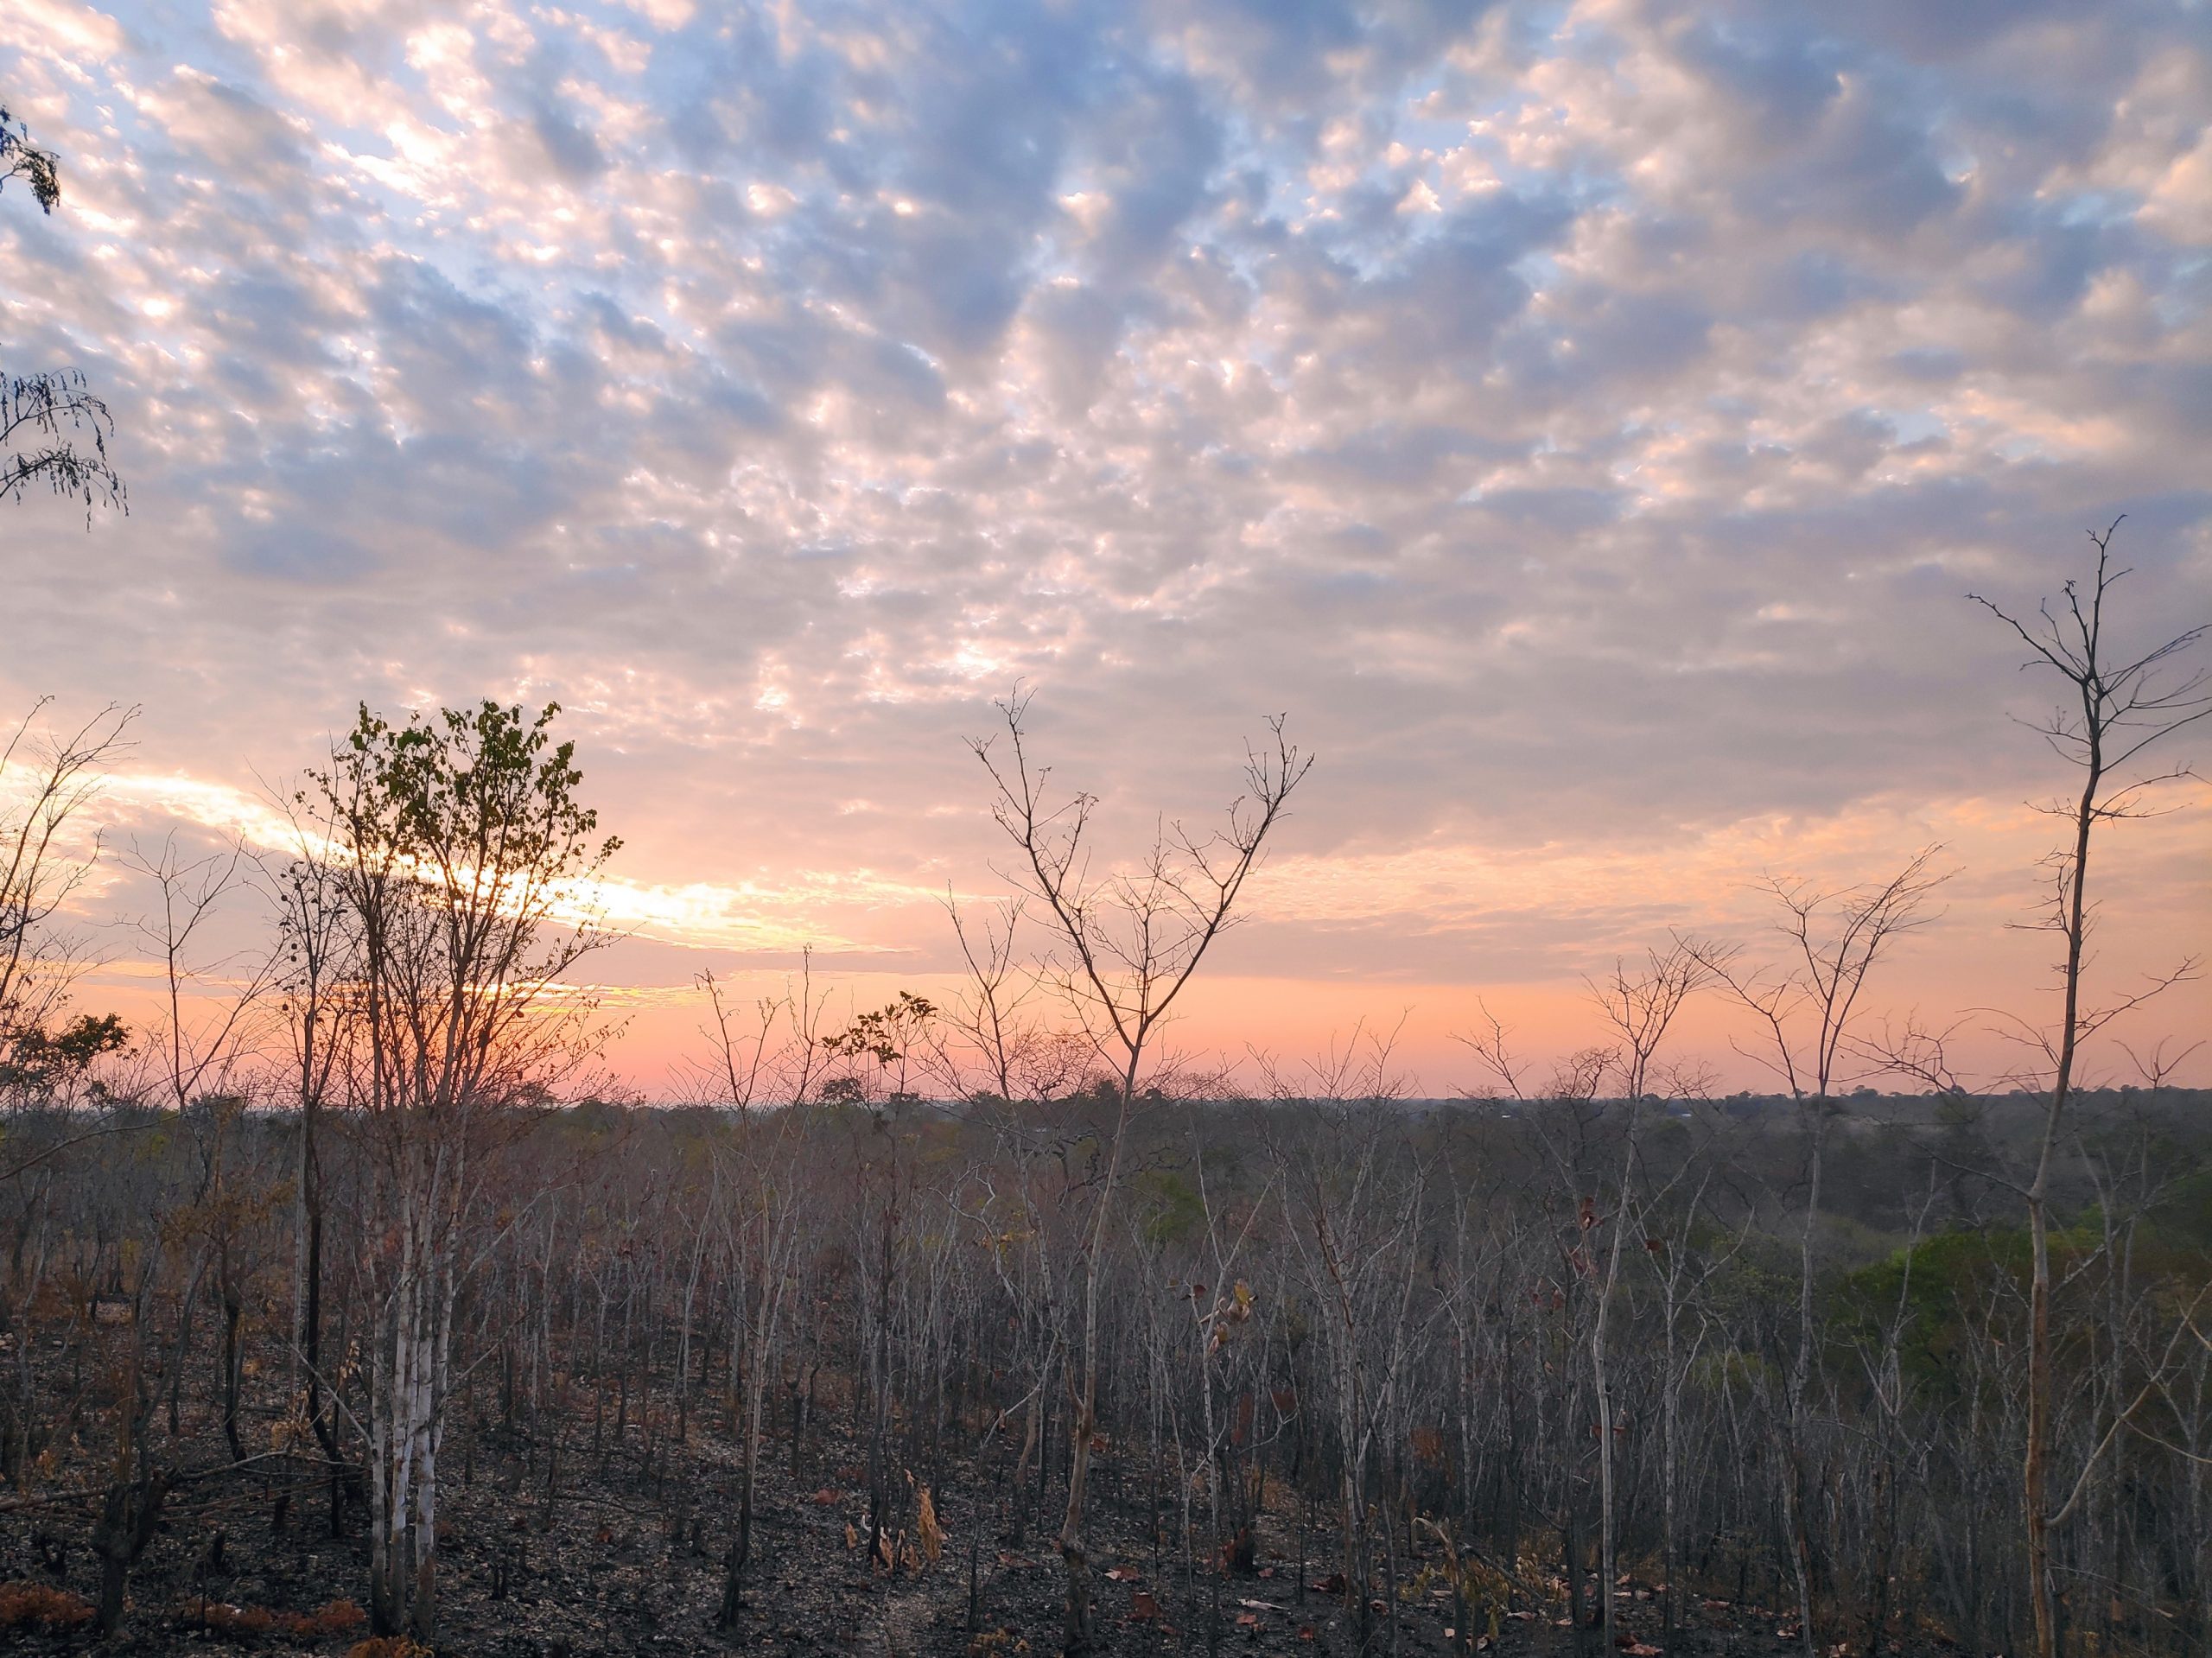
(45, 422)
(47, 419)
(465, 856)
(22, 159)
(52, 1063)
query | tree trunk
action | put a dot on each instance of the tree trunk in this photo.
(2036, 1463)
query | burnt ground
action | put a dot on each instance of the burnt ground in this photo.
(622, 1554)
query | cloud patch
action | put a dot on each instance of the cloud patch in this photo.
(1584, 419)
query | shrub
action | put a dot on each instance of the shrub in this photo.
(388, 1646)
(338, 1617)
(237, 1620)
(22, 1605)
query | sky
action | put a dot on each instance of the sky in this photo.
(1584, 421)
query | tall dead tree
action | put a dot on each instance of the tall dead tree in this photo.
(762, 1203)
(199, 1052)
(1127, 944)
(1639, 1004)
(2116, 706)
(1352, 1199)
(1807, 1006)
(315, 961)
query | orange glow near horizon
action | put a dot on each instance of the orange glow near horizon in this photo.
(1974, 967)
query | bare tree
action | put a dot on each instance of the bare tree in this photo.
(1639, 1004)
(992, 1039)
(764, 1209)
(1352, 1203)
(315, 962)
(47, 781)
(211, 997)
(1808, 1006)
(2116, 707)
(206, 1033)
(1129, 945)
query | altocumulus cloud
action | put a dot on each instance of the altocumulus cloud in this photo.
(1584, 417)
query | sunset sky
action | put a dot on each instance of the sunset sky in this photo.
(1583, 420)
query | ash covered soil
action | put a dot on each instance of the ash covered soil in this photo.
(620, 1551)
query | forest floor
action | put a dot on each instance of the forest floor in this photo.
(623, 1555)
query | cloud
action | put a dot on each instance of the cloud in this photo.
(1583, 420)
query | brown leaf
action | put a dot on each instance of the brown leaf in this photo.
(927, 1526)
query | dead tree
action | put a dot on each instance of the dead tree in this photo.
(2116, 707)
(1127, 944)
(1807, 1006)
(762, 1203)
(1639, 1004)
(315, 961)
(1353, 1200)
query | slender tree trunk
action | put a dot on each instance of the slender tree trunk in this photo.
(1078, 1633)
(2035, 1464)
(1601, 1380)
(233, 1312)
(1796, 1478)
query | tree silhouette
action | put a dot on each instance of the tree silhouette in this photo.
(53, 430)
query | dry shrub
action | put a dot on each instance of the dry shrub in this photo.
(388, 1646)
(237, 1620)
(22, 1605)
(338, 1617)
